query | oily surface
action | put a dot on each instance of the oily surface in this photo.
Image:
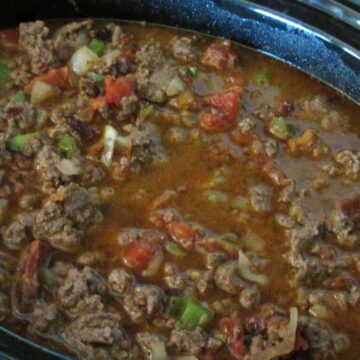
(160, 165)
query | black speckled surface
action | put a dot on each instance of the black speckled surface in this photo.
(327, 58)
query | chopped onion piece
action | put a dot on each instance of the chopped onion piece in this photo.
(186, 357)
(174, 87)
(68, 167)
(288, 343)
(158, 350)
(247, 274)
(41, 92)
(110, 136)
(82, 60)
(154, 264)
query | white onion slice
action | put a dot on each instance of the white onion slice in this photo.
(82, 60)
(68, 167)
(41, 92)
(110, 137)
(247, 274)
(288, 343)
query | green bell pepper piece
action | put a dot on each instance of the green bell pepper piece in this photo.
(97, 46)
(67, 145)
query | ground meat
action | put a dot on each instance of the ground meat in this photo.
(350, 160)
(173, 278)
(151, 59)
(139, 301)
(227, 277)
(44, 316)
(46, 163)
(246, 125)
(89, 87)
(332, 301)
(271, 147)
(71, 37)
(34, 38)
(249, 297)
(224, 307)
(146, 145)
(260, 198)
(321, 108)
(285, 221)
(183, 48)
(193, 341)
(62, 112)
(214, 259)
(323, 342)
(342, 226)
(78, 285)
(99, 336)
(203, 280)
(129, 108)
(146, 300)
(64, 222)
(264, 112)
(128, 235)
(18, 118)
(287, 192)
(120, 281)
(18, 233)
(113, 32)
(301, 238)
(61, 270)
(29, 201)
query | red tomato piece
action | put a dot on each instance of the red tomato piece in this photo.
(36, 256)
(10, 35)
(228, 103)
(219, 55)
(234, 329)
(59, 78)
(182, 233)
(138, 254)
(116, 90)
(215, 121)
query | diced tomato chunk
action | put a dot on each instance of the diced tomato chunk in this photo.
(116, 90)
(36, 256)
(234, 329)
(179, 230)
(138, 254)
(10, 35)
(228, 103)
(55, 77)
(215, 121)
(183, 233)
(219, 55)
(222, 114)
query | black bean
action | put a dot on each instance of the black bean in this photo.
(82, 129)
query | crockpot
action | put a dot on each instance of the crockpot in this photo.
(320, 38)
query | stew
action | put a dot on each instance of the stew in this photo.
(168, 195)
